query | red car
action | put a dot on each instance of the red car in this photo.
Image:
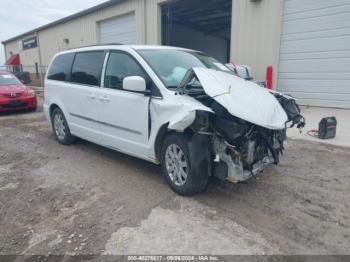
(14, 95)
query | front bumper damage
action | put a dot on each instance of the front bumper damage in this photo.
(233, 171)
(244, 124)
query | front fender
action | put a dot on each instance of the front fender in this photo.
(177, 113)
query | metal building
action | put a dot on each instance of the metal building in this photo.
(306, 42)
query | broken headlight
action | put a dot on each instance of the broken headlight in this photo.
(292, 110)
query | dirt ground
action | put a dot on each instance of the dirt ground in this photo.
(85, 199)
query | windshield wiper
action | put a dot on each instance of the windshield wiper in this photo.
(171, 87)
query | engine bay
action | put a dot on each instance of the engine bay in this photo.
(239, 148)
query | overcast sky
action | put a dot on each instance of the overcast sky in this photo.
(19, 16)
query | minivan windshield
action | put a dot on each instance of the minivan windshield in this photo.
(7, 79)
(171, 65)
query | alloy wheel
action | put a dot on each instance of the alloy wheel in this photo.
(60, 128)
(176, 164)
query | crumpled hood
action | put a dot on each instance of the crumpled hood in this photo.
(243, 99)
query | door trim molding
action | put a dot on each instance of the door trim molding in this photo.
(106, 124)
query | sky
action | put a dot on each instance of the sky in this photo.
(20, 16)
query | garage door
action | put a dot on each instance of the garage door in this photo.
(315, 52)
(121, 30)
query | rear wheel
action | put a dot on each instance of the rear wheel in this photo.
(177, 167)
(60, 128)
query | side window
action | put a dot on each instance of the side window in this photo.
(87, 68)
(60, 67)
(119, 66)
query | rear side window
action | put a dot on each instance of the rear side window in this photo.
(60, 67)
(87, 68)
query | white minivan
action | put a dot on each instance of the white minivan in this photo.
(171, 106)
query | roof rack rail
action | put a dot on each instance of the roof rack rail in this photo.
(112, 44)
(94, 45)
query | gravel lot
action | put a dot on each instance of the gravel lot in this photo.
(84, 199)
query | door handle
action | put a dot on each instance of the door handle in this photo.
(104, 99)
(91, 96)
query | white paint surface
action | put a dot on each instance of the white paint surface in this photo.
(243, 99)
(108, 125)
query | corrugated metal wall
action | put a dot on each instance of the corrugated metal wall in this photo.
(81, 31)
(121, 29)
(255, 34)
(315, 56)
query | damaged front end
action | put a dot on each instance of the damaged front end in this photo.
(240, 150)
(242, 143)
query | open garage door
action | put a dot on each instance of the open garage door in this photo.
(121, 29)
(315, 52)
(200, 25)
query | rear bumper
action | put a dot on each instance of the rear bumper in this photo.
(22, 103)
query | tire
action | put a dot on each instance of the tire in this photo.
(60, 128)
(195, 181)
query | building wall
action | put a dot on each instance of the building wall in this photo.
(28, 57)
(81, 31)
(256, 28)
(153, 22)
(255, 36)
(255, 33)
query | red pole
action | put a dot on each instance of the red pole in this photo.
(269, 77)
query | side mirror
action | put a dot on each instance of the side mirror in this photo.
(135, 84)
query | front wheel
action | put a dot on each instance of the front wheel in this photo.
(60, 128)
(177, 167)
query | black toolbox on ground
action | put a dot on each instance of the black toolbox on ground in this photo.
(327, 128)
